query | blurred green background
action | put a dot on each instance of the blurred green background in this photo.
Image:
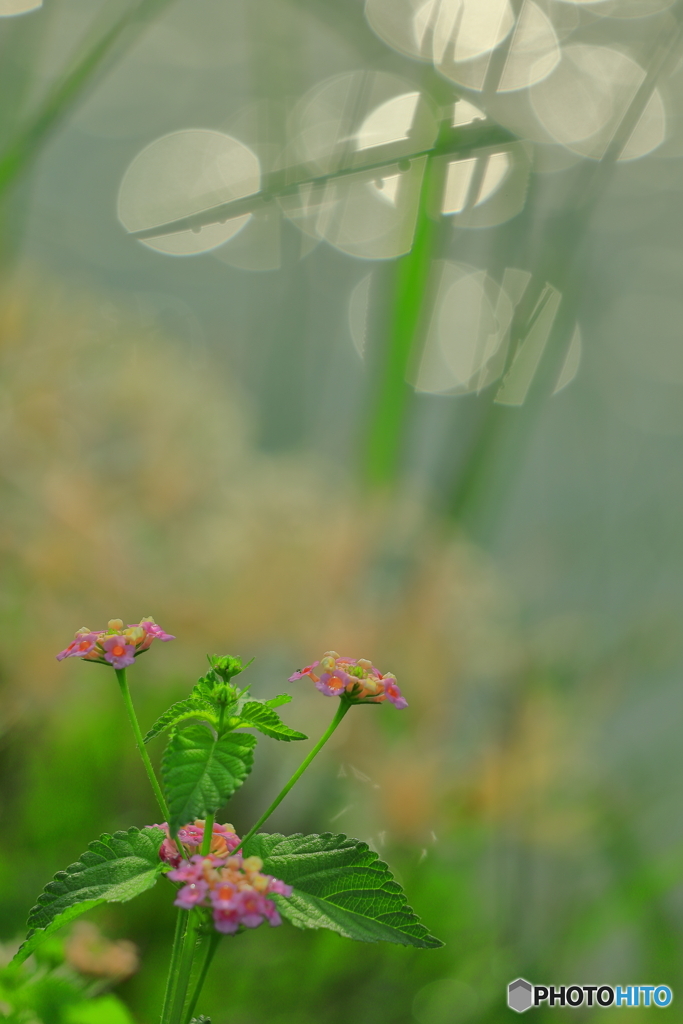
(362, 418)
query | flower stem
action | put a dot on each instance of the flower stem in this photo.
(344, 706)
(184, 969)
(214, 940)
(125, 693)
(180, 926)
(208, 835)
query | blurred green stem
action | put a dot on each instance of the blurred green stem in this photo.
(344, 706)
(31, 135)
(388, 410)
(214, 940)
(180, 927)
(181, 968)
(208, 834)
(132, 717)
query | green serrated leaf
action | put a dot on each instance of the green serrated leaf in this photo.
(218, 692)
(201, 771)
(276, 702)
(192, 707)
(340, 884)
(254, 714)
(115, 868)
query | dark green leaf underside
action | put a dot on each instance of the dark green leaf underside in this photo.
(341, 884)
(115, 868)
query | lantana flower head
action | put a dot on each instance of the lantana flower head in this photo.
(223, 841)
(115, 645)
(356, 679)
(234, 887)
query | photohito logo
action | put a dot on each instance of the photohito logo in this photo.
(522, 995)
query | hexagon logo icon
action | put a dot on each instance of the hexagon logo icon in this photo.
(520, 995)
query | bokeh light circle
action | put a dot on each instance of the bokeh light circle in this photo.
(581, 105)
(346, 122)
(529, 53)
(183, 174)
(441, 29)
(10, 8)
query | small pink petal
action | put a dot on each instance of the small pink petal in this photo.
(303, 672)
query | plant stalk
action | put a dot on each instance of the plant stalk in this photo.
(208, 835)
(132, 717)
(214, 940)
(180, 927)
(344, 706)
(184, 968)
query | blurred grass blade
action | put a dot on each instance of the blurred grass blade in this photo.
(34, 132)
(382, 441)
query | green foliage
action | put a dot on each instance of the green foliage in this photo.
(202, 769)
(216, 700)
(103, 1010)
(115, 868)
(43, 990)
(340, 884)
(225, 666)
(192, 707)
(276, 702)
(259, 716)
(220, 693)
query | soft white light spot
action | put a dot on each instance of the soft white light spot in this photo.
(389, 122)
(486, 190)
(353, 215)
(387, 188)
(571, 363)
(460, 30)
(182, 174)
(470, 322)
(649, 133)
(465, 112)
(582, 103)
(8, 8)
(497, 167)
(458, 180)
(533, 53)
(517, 380)
(340, 118)
(623, 8)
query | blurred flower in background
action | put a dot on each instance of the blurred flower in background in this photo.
(88, 951)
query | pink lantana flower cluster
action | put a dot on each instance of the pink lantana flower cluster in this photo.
(223, 841)
(233, 887)
(115, 645)
(356, 679)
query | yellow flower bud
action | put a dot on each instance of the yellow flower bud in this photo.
(252, 864)
(115, 624)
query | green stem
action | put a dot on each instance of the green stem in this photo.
(208, 834)
(214, 940)
(344, 706)
(125, 693)
(178, 938)
(184, 969)
(385, 428)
